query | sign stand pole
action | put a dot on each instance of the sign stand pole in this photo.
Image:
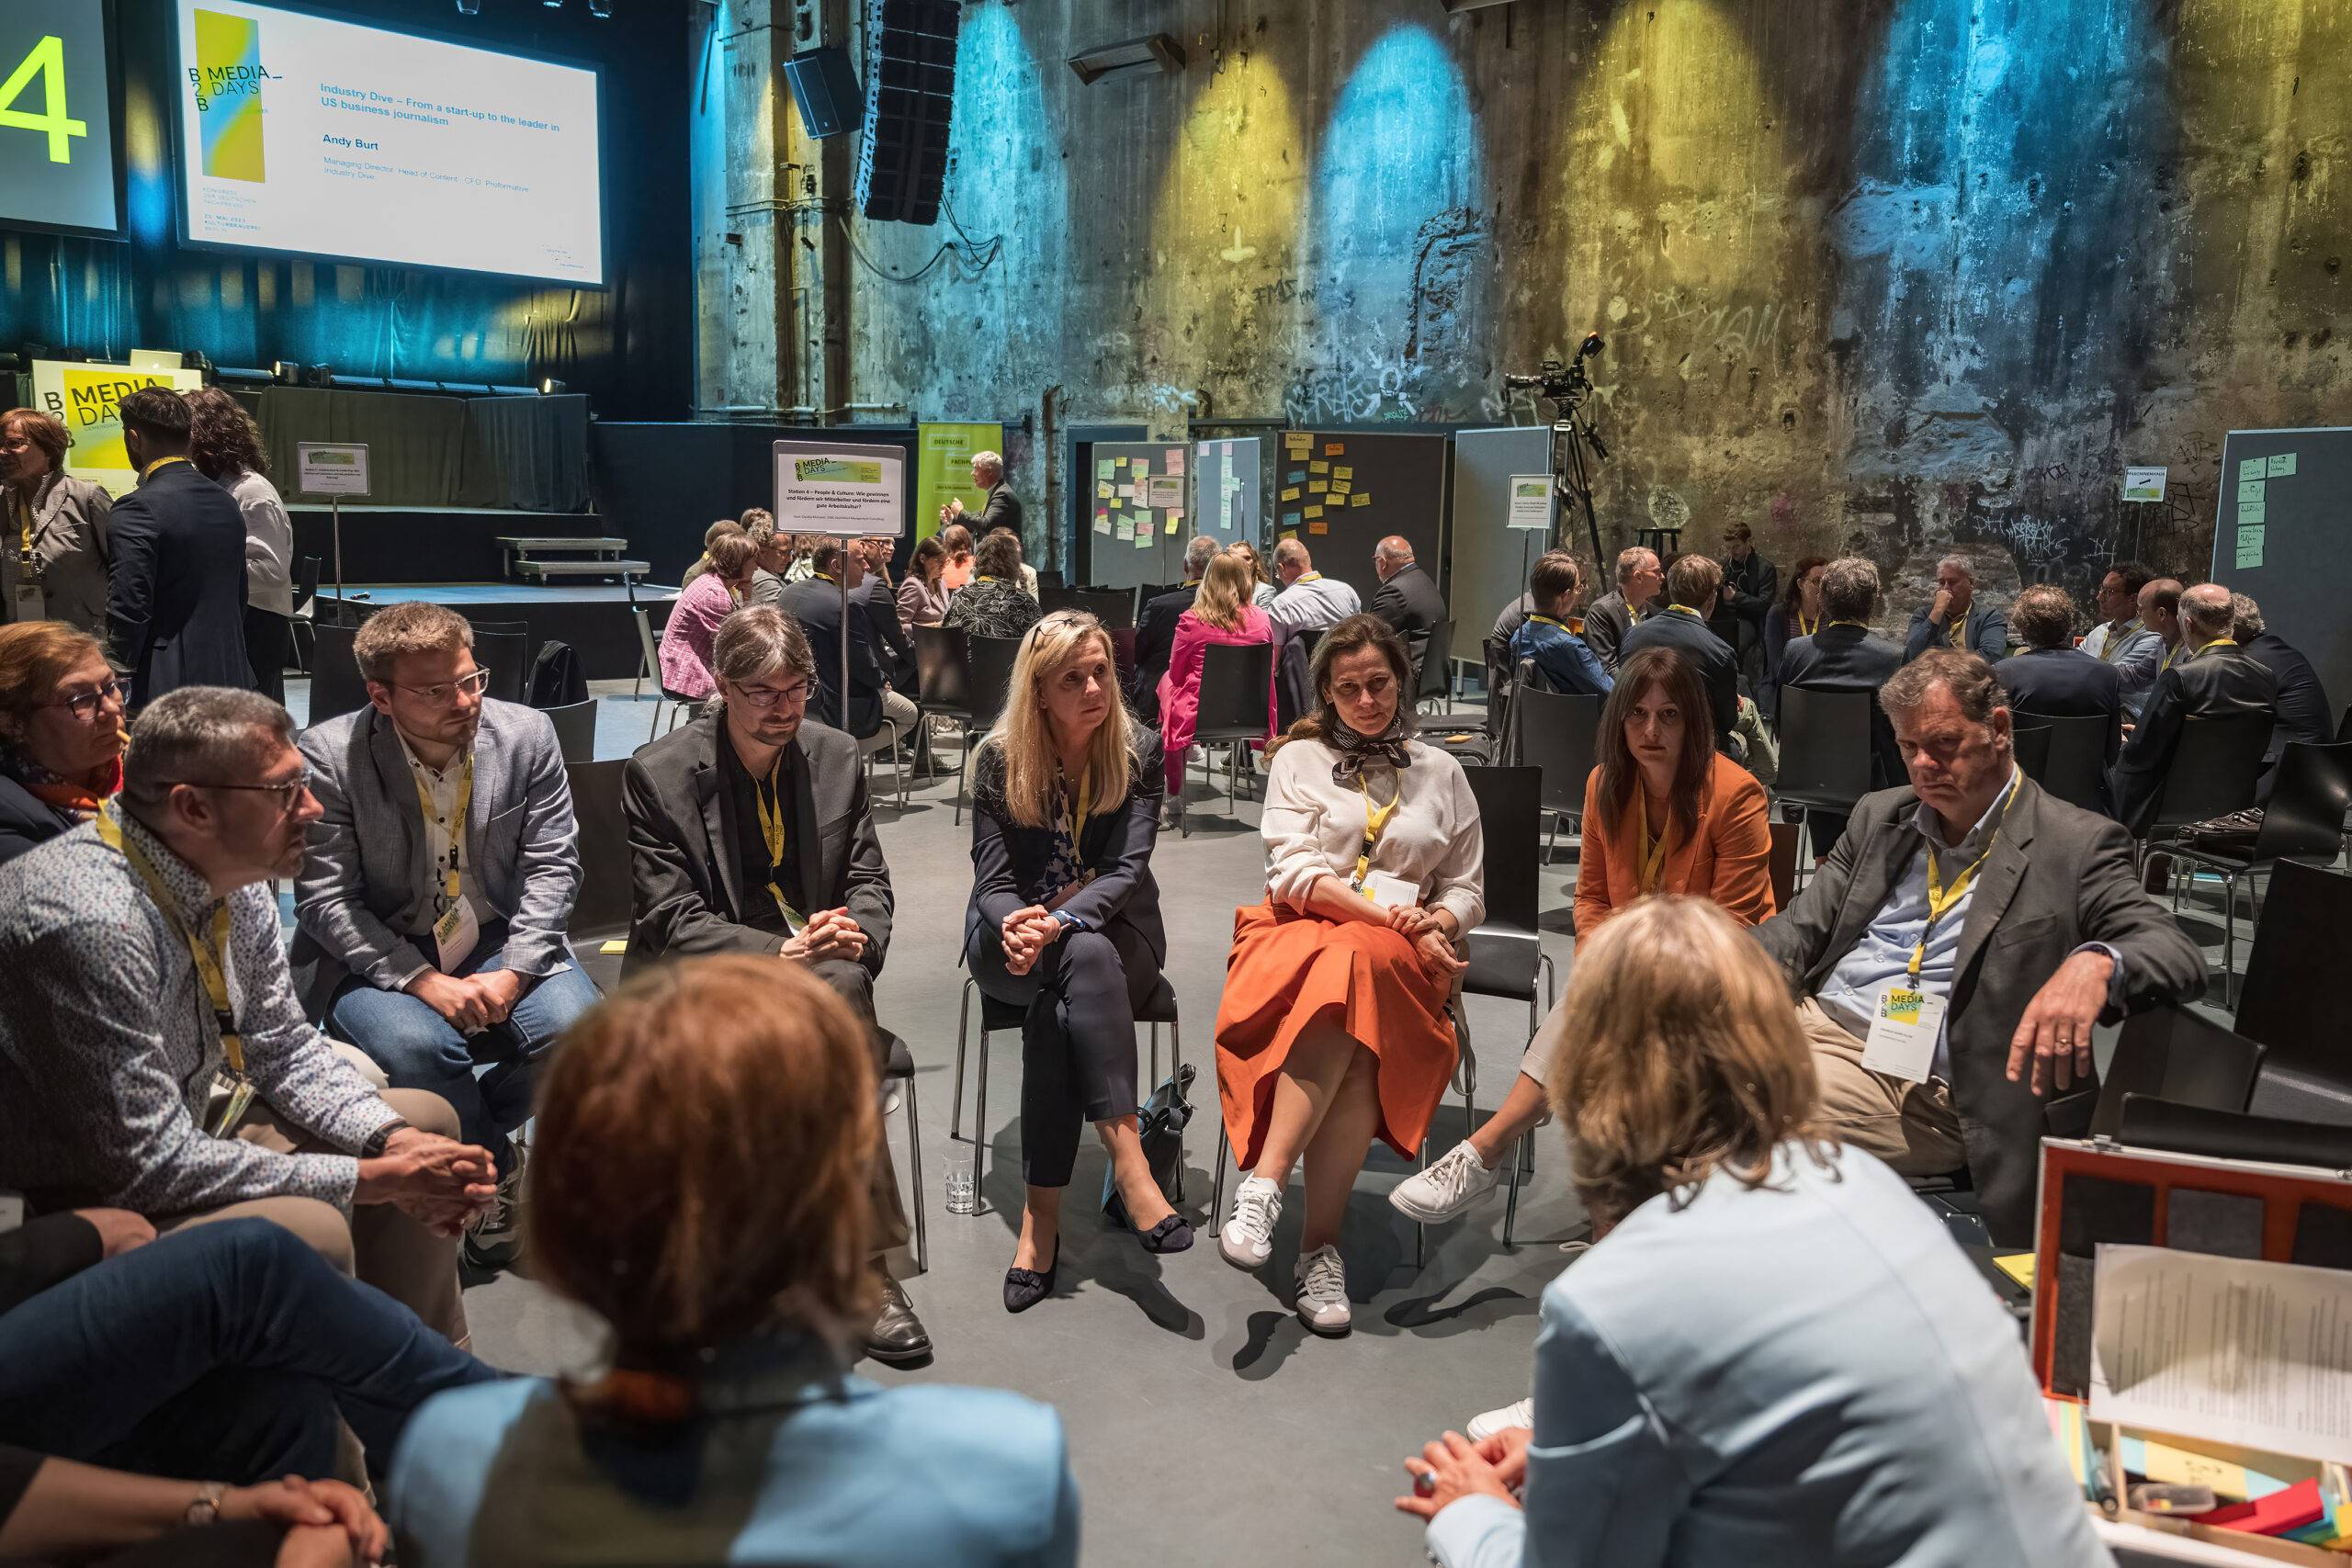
(334, 510)
(843, 584)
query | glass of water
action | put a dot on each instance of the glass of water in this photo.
(963, 1186)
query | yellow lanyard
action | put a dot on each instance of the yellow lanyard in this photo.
(1080, 806)
(450, 875)
(1548, 620)
(1376, 822)
(1310, 577)
(2217, 642)
(1805, 627)
(24, 521)
(769, 802)
(1941, 898)
(149, 471)
(1653, 850)
(2115, 636)
(1956, 631)
(1685, 610)
(1863, 626)
(211, 967)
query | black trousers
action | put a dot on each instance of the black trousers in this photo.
(854, 986)
(269, 642)
(1077, 1043)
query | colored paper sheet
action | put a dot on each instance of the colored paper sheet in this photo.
(1314, 512)
(1295, 477)
(620, 945)
(2176, 1464)
(1343, 472)
(1168, 490)
(1290, 519)
(1340, 487)
(2017, 1266)
(2253, 467)
(1290, 534)
(1121, 460)
(2282, 466)
(1318, 467)
(1174, 518)
(2254, 511)
(1224, 513)
(1143, 534)
(1102, 490)
(1361, 498)
(1123, 527)
(2250, 490)
(2250, 542)
(1175, 460)
(2065, 1420)
(1102, 467)
(1291, 493)
(1318, 486)
(1319, 527)
(1102, 520)
(1142, 466)
(1334, 448)
(1225, 448)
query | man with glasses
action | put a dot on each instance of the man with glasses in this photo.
(440, 875)
(750, 832)
(153, 1055)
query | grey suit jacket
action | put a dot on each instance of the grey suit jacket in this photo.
(1606, 622)
(1985, 633)
(2058, 877)
(71, 542)
(685, 876)
(366, 877)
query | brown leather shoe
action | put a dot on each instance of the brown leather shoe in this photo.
(898, 1338)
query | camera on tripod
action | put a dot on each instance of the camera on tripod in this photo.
(1561, 383)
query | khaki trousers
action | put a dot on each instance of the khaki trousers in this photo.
(1911, 1127)
(378, 1243)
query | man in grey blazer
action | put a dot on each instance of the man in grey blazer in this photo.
(749, 831)
(2045, 933)
(435, 890)
(1608, 618)
(1954, 619)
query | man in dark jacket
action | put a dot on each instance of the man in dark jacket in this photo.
(816, 602)
(2303, 712)
(1002, 510)
(175, 587)
(1691, 584)
(1608, 618)
(1843, 655)
(1751, 584)
(1407, 598)
(1156, 629)
(2049, 674)
(2210, 677)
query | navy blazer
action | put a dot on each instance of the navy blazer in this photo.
(1009, 861)
(2303, 712)
(2064, 683)
(1718, 667)
(1156, 636)
(25, 820)
(175, 587)
(1411, 604)
(817, 606)
(2220, 683)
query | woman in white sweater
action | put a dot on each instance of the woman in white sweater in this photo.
(1332, 1028)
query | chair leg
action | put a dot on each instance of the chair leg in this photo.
(980, 1126)
(2228, 939)
(1519, 1158)
(963, 773)
(914, 1156)
(963, 1032)
(1216, 1189)
(1175, 1070)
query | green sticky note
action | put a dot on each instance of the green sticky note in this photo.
(1143, 535)
(2250, 490)
(2253, 512)
(2249, 547)
(1102, 467)
(2253, 468)
(2282, 466)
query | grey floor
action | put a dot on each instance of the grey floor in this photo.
(1205, 1426)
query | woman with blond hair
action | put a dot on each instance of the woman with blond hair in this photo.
(1065, 923)
(1221, 612)
(61, 732)
(707, 1198)
(1773, 1356)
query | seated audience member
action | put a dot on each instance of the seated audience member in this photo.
(140, 954)
(231, 1350)
(1065, 923)
(436, 887)
(879, 599)
(1691, 584)
(2160, 613)
(1842, 654)
(1332, 1027)
(2064, 940)
(1309, 601)
(225, 446)
(994, 604)
(2303, 712)
(1608, 618)
(56, 1509)
(1664, 812)
(710, 536)
(710, 1206)
(1262, 592)
(750, 832)
(804, 557)
(1407, 598)
(1879, 1411)
(695, 615)
(1563, 663)
(1512, 616)
(62, 520)
(1797, 613)
(2048, 674)
(2122, 638)
(1953, 618)
(816, 604)
(2210, 677)
(1750, 592)
(1156, 629)
(956, 540)
(1221, 614)
(61, 732)
(772, 557)
(922, 594)
(175, 561)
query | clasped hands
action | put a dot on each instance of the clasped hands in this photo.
(1453, 1467)
(1433, 939)
(436, 1181)
(470, 1002)
(1025, 935)
(830, 934)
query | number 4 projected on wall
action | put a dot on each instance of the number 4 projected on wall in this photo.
(48, 61)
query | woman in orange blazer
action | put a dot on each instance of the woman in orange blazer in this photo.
(1665, 812)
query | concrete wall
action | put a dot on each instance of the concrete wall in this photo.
(1887, 274)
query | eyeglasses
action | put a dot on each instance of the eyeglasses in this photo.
(766, 699)
(82, 705)
(288, 794)
(443, 694)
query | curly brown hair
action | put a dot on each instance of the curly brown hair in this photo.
(222, 439)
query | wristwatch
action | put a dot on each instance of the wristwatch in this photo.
(205, 1507)
(380, 1137)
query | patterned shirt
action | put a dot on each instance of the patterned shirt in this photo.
(108, 1047)
(987, 607)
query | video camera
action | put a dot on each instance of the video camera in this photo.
(1561, 383)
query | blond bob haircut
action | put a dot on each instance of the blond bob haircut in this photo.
(1228, 584)
(1682, 1056)
(693, 1192)
(1025, 737)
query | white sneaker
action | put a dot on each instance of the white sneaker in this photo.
(1247, 1239)
(1447, 1188)
(1323, 1291)
(1481, 1428)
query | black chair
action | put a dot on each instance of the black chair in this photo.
(2288, 1000)
(2176, 1055)
(501, 628)
(997, 1017)
(988, 681)
(1236, 681)
(2029, 744)
(2343, 726)
(2302, 821)
(1558, 733)
(335, 686)
(943, 680)
(575, 729)
(1506, 954)
(2075, 752)
(1433, 682)
(601, 911)
(2150, 1122)
(507, 656)
(306, 583)
(1049, 577)
(2213, 773)
(1826, 740)
(1114, 607)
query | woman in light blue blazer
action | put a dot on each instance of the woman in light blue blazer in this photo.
(1773, 1357)
(707, 1199)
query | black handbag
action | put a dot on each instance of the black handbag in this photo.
(1159, 1124)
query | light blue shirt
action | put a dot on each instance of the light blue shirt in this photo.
(1561, 658)
(1803, 1373)
(2138, 658)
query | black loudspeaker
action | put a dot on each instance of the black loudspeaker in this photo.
(824, 85)
(902, 167)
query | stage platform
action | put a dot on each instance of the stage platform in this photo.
(591, 616)
(455, 544)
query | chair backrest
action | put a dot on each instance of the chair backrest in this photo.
(2343, 726)
(646, 646)
(1510, 821)
(944, 668)
(1235, 679)
(2214, 770)
(575, 729)
(335, 686)
(2177, 1056)
(2073, 755)
(991, 668)
(2287, 998)
(1824, 746)
(500, 628)
(306, 583)
(1114, 607)
(507, 656)
(1049, 577)
(1435, 677)
(1782, 861)
(1498, 685)
(2304, 816)
(603, 901)
(2031, 745)
(1558, 732)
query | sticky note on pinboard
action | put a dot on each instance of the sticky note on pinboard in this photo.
(2250, 490)
(1290, 519)
(1121, 461)
(2253, 467)
(1143, 535)
(1290, 534)
(2282, 466)
(2254, 511)
(1343, 472)
(1291, 493)
(1318, 467)
(1339, 489)
(1174, 519)
(2249, 552)
(1317, 487)
(1334, 448)
(1314, 512)
(1295, 477)
(1361, 498)
(1102, 490)
(1319, 527)
(1102, 467)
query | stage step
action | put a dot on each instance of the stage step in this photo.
(540, 570)
(528, 542)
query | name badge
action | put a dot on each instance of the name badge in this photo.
(1907, 1024)
(455, 935)
(1389, 890)
(30, 603)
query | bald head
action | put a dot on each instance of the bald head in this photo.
(1292, 561)
(2160, 608)
(2205, 614)
(1391, 555)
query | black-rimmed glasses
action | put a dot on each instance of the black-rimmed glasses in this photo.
(767, 699)
(82, 705)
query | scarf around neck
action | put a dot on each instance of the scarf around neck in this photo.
(1355, 750)
(79, 798)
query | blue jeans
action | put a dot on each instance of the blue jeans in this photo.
(224, 1351)
(417, 1047)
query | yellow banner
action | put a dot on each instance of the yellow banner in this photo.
(87, 400)
(944, 470)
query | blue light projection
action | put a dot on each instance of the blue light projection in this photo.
(1400, 148)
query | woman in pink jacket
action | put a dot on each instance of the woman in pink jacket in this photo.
(694, 616)
(1222, 614)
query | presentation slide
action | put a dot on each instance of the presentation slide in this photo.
(56, 118)
(299, 133)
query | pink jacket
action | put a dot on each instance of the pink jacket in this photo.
(1180, 689)
(693, 625)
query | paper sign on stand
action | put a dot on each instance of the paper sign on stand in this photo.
(333, 469)
(1531, 502)
(2144, 484)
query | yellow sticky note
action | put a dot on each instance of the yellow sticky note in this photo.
(1318, 467)
(1343, 473)
(1290, 534)
(1173, 518)
(1319, 527)
(1300, 440)
(1314, 512)
(2017, 1266)
(1102, 490)
(1291, 494)
(1334, 448)
(1339, 489)
(1361, 498)
(1317, 487)
(1120, 461)
(612, 947)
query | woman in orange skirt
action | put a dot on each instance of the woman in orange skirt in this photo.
(1332, 1028)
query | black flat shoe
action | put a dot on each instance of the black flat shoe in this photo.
(1173, 1234)
(1024, 1288)
(897, 1336)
